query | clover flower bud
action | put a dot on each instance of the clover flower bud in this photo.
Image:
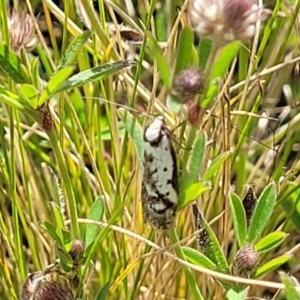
(246, 259)
(188, 83)
(224, 20)
(77, 250)
(22, 32)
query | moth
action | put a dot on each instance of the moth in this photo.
(160, 179)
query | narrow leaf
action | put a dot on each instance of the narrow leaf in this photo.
(58, 79)
(221, 65)
(94, 74)
(184, 49)
(30, 94)
(192, 193)
(160, 60)
(198, 258)
(51, 230)
(11, 64)
(96, 214)
(270, 241)
(216, 165)
(74, 48)
(195, 164)
(262, 212)
(135, 131)
(272, 265)
(204, 50)
(239, 219)
(215, 252)
(103, 292)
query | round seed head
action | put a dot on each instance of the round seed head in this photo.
(188, 82)
(246, 259)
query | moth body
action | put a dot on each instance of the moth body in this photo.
(160, 181)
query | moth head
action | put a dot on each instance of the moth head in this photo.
(153, 133)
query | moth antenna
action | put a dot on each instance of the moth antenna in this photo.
(120, 105)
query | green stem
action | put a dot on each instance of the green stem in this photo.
(66, 180)
(188, 273)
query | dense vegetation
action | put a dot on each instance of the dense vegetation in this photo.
(78, 85)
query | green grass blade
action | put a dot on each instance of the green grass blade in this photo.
(71, 54)
(160, 60)
(103, 292)
(96, 214)
(184, 49)
(136, 132)
(216, 165)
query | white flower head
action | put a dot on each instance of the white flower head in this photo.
(22, 32)
(224, 20)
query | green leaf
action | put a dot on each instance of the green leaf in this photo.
(291, 284)
(192, 193)
(291, 204)
(272, 265)
(11, 64)
(94, 74)
(239, 219)
(71, 54)
(10, 98)
(270, 241)
(184, 49)
(198, 258)
(195, 165)
(216, 165)
(197, 158)
(221, 65)
(51, 230)
(135, 131)
(262, 212)
(30, 94)
(160, 60)
(215, 252)
(35, 72)
(237, 294)
(59, 218)
(56, 81)
(96, 214)
(103, 292)
(204, 50)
